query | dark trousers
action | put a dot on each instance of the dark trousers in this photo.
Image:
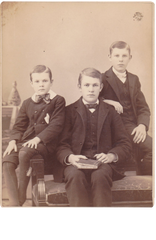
(79, 183)
(17, 194)
(144, 150)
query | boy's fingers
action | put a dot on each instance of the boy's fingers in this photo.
(144, 138)
(134, 130)
(82, 156)
(15, 148)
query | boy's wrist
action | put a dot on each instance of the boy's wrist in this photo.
(12, 141)
(37, 139)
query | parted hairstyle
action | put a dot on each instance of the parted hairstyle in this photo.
(90, 72)
(40, 69)
(120, 45)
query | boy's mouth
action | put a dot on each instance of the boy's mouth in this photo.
(90, 95)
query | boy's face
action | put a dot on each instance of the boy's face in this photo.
(41, 83)
(90, 88)
(120, 59)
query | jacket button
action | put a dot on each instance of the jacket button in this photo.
(42, 122)
(80, 143)
(43, 110)
(34, 123)
(35, 111)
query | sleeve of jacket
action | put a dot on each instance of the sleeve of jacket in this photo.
(55, 127)
(64, 148)
(142, 109)
(21, 123)
(121, 142)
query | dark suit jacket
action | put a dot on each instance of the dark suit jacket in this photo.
(111, 135)
(31, 122)
(110, 91)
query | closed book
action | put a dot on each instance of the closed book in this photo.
(88, 164)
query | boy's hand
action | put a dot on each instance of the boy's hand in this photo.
(140, 133)
(73, 159)
(11, 146)
(105, 158)
(118, 107)
(32, 143)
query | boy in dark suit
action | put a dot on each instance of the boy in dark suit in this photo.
(93, 130)
(36, 131)
(123, 91)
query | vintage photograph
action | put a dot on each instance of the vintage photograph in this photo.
(77, 104)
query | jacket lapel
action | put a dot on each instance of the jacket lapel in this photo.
(110, 78)
(131, 83)
(103, 112)
(80, 108)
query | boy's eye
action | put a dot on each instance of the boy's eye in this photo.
(95, 85)
(87, 85)
(45, 80)
(124, 55)
(36, 81)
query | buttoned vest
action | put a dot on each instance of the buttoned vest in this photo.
(90, 145)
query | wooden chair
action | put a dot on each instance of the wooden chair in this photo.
(131, 191)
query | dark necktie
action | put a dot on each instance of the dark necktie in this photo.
(92, 105)
(44, 97)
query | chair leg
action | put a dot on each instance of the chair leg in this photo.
(37, 177)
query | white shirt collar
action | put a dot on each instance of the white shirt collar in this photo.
(118, 73)
(97, 101)
(52, 95)
(121, 76)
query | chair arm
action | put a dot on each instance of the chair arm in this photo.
(37, 177)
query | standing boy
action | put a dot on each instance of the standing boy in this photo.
(36, 131)
(93, 130)
(123, 91)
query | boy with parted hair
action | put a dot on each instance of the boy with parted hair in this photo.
(92, 130)
(36, 131)
(123, 91)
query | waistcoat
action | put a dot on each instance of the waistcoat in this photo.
(90, 145)
(128, 113)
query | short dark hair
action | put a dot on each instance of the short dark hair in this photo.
(120, 45)
(90, 72)
(40, 69)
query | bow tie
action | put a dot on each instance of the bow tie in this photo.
(92, 105)
(44, 97)
(121, 75)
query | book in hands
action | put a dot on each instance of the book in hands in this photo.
(88, 164)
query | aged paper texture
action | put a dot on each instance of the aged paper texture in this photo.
(68, 37)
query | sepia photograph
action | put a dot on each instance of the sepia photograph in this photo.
(77, 104)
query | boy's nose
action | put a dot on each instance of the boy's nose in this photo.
(41, 84)
(91, 89)
(120, 58)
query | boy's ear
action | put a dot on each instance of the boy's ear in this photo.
(31, 83)
(130, 57)
(101, 87)
(109, 57)
(79, 86)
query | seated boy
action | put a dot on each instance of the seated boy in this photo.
(93, 130)
(36, 131)
(123, 90)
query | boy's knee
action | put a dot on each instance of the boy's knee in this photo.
(102, 176)
(26, 153)
(73, 173)
(8, 166)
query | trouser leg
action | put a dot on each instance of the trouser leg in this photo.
(25, 155)
(24, 159)
(144, 150)
(76, 187)
(11, 183)
(101, 183)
